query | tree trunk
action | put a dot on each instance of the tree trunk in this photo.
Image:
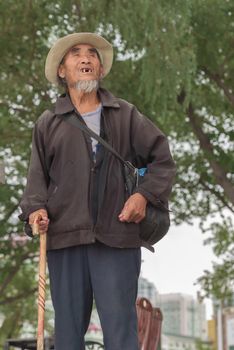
(205, 144)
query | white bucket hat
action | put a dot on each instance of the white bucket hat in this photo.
(62, 46)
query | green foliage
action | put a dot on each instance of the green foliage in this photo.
(174, 60)
(220, 282)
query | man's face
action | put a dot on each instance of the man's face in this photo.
(80, 63)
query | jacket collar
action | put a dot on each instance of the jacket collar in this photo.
(107, 99)
(64, 104)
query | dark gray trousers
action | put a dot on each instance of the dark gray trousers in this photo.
(110, 275)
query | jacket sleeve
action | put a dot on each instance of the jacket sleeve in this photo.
(35, 193)
(152, 151)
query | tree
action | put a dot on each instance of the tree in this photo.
(174, 60)
(220, 282)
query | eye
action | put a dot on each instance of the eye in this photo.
(75, 52)
(92, 53)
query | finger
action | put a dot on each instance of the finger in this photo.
(35, 224)
(43, 231)
(43, 226)
(125, 208)
(32, 219)
(37, 218)
(122, 218)
(43, 223)
(134, 217)
(139, 219)
(128, 216)
(124, 213)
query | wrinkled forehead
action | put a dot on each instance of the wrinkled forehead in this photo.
(83, 47)
(87, 48)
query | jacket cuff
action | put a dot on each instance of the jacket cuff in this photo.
(150, 198)
(28, 230)
(25, 213)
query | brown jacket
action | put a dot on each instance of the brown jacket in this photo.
(61, 173)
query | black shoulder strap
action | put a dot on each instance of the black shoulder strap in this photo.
(74, 120)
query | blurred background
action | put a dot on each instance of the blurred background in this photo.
(174, 59)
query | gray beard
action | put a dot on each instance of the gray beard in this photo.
(87, 86)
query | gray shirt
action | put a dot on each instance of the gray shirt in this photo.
(92, 120)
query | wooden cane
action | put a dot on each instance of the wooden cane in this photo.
(41, 284)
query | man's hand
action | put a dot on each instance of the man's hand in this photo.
(39, 217)
(134, 209)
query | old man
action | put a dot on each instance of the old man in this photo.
(76, 188)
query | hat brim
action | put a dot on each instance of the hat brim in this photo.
(62, 46)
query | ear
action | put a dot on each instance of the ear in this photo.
(61, 71)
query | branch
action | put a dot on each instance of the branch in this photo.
(78, 9)
(13, 272)
(17, 109)
(205, 144)
(10, 212)
(217, 194)
(17, 297)
(220, 83)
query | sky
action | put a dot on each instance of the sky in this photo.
(179, 260)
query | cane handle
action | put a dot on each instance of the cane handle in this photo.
(35, 225)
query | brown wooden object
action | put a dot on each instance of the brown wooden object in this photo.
(149, 325)
(41, 284)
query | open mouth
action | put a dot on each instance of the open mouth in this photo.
(86, 70)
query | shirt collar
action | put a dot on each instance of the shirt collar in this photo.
(64, 104)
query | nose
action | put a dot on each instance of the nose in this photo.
(85, 59)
